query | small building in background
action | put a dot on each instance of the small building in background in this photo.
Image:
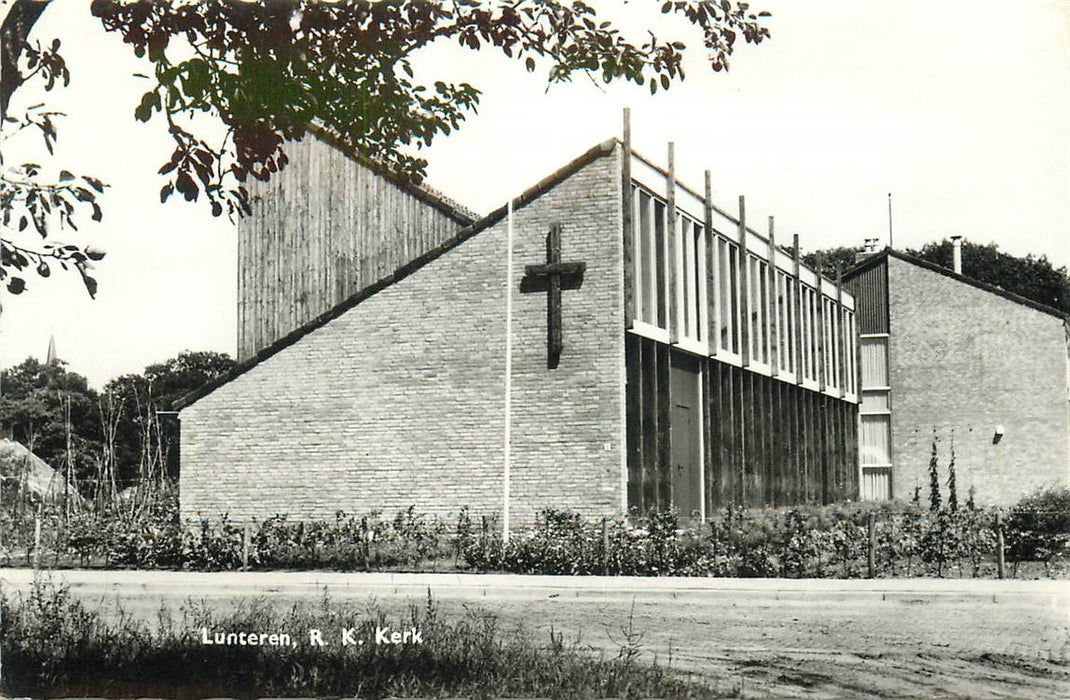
(978, 371)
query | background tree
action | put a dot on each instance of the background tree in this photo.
(117, 438)
(269, 70)
(53, 412)
(1032, 276)
(844, 256)
(146, 446)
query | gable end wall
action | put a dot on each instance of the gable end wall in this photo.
(399, 401)
(965, 361)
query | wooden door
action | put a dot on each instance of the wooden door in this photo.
(685, 444)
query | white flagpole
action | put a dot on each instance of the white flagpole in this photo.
(508, 366)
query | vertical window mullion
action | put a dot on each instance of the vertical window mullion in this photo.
(640, 256)
(703, 292)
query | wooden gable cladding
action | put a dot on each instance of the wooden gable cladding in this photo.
(327, 226)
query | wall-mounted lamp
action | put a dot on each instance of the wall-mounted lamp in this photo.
(998, 436)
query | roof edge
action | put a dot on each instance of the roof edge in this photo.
(456, 211)
(933, 267)
(867, 264)
(529, 195)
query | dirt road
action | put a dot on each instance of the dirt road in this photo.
(763, 637)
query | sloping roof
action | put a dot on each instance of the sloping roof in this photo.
(881, 257)
(22, 469)
(428, 195)
(527, 197)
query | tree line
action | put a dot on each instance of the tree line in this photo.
(109, 440)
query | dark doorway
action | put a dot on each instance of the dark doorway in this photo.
(686, 436)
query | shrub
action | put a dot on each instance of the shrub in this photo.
(1038, 526)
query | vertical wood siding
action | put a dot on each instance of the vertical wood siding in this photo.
(870, 290)
(323, 229)
(767, 442)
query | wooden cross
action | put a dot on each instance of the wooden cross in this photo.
(551, 278)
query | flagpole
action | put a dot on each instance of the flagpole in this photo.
(508, 368)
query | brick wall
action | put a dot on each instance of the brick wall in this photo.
(321, 230)
(964, 361)
(399, 401)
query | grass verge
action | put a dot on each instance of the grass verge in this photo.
(52, 645)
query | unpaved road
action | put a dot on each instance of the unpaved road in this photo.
(918, 638)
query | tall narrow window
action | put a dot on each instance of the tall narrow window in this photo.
(650, 260)
(644, 282)
(726, 299)
(659, 262)
(810, 332)
(850, 350)
(831, 343)
(691, 277)
(759, 311)
(785, 312)
(698, 235)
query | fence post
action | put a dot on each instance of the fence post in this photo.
(364, 540)
(605, 547)
(457, 549)
(36, 541)
(999, 545)
(871, 562)
(245, 547)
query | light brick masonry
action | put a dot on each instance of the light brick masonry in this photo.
(965, 361)
(409, 387)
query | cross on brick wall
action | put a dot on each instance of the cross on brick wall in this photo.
(551, 278)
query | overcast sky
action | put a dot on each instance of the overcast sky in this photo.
(960, 109)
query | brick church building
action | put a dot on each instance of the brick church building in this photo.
(974, 366)
(609, 340)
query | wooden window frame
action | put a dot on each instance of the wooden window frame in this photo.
(648, 292)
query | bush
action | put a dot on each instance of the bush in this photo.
(1038, 526)
(802, 542)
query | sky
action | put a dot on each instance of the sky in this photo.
(958, 108)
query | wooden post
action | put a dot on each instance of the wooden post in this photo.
(605, 547)
(841, 335)
(629, 223)
(999, 546)
(820, 330)
(36, 541)
(744, 284)
(771, 309)
(364, 540)
(245, 548)
(796, 264)
(712, 338)
(871, 557)
(458, 544)
(483, 537)
(672, 292)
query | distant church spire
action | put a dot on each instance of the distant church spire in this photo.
(51, 350)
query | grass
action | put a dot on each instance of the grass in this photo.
(54, 646)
